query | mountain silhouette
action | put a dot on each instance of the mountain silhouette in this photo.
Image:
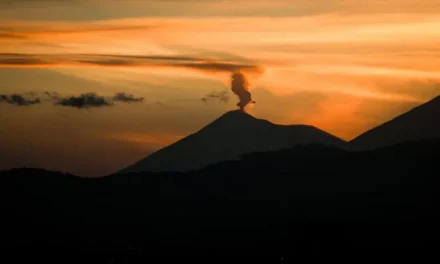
(227, 138)
(419, 123)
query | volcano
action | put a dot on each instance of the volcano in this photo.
(227, 138)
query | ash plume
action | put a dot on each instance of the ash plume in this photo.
(239, 86)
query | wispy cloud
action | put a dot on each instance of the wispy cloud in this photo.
(5, 35)
(151, 140)
(127, 98)
(221, 96)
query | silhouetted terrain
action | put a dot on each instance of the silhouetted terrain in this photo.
(308, 202)
(227, 138)
(420, 123)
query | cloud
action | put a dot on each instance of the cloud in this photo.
(221, 66)
(87, 100)
(127, 98)
(18, 99)
(19, 59)
(158, 58)
(91, 99)
(108, 60)
(52, 95)
(47, 28)
(222, 96)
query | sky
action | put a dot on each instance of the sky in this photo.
(89, 87)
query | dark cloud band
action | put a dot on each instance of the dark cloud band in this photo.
(93, 100)
(85, 100)
(6, 35)
(108, 60)
(88, 100)
(19, 99)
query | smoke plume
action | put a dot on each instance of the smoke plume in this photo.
(239, 86)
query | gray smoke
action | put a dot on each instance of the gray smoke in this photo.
(239, 86)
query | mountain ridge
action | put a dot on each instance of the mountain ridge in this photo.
(418, 123)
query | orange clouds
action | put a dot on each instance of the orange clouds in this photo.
(355, 55)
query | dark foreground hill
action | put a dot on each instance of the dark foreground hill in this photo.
(306, 202)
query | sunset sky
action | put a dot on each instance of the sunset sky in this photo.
(143, 68)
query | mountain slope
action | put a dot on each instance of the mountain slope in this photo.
(227, 138)
(419, 123)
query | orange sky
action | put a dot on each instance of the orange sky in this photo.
(342, 66)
